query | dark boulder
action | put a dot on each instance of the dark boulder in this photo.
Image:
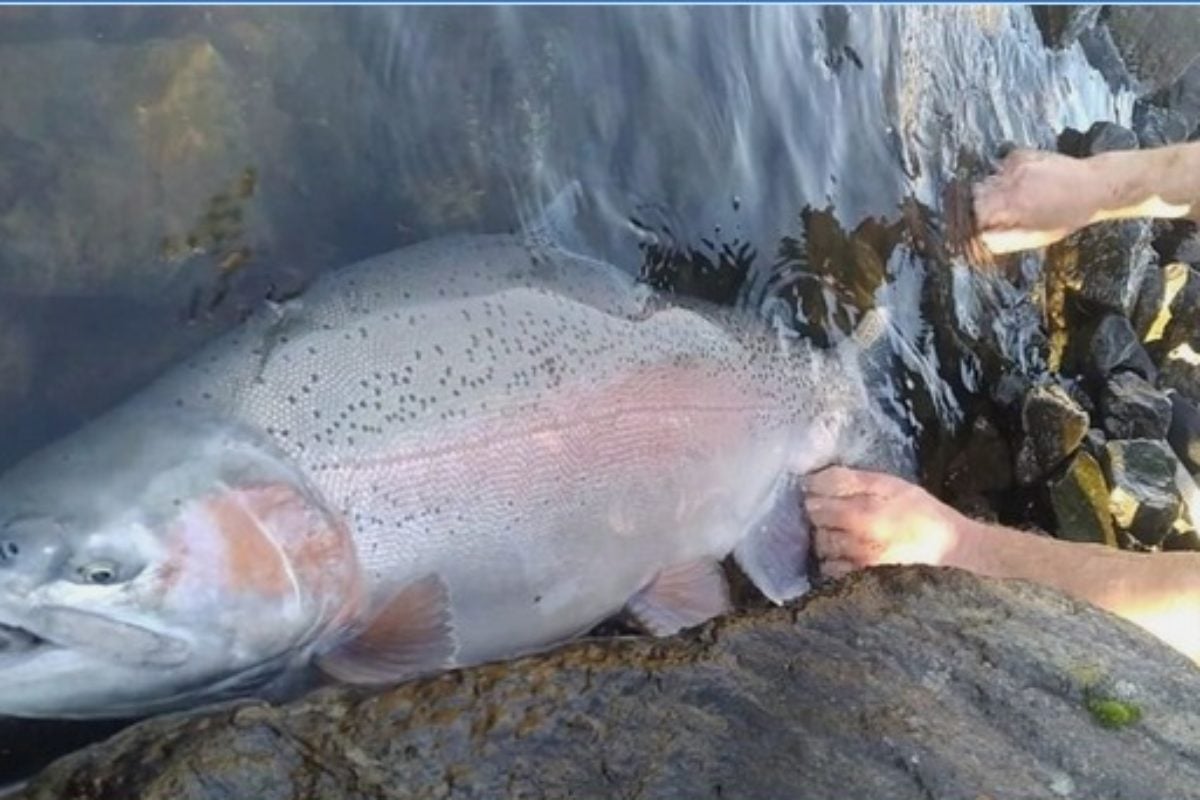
(1104, 137)
(1080, 502)
(1144, 498)
(1187, 539)
(1184, 433)
(1153, 308)
(1109, 347)
(1114, 260)
(1180, 370)
(1054, 426)
(1157, 126)
(1131, 408)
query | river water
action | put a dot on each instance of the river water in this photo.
(163, 170)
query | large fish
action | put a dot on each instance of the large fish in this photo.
(458, 452)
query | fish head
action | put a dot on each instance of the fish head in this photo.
(153, 564)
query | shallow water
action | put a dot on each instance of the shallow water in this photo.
(163, 170)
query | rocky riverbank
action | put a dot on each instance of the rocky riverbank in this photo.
(213, 157)
(1098, 442)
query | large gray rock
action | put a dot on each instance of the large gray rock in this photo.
(1080, 502)
(898, 683)
(1144, 498)
(1131, 408)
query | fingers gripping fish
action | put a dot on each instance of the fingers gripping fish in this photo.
(451, 454)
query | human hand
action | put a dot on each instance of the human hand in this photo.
(861, 519)
(1035, 199)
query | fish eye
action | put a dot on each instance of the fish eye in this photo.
(99, 573)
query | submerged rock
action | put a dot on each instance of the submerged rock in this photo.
(1145, 500)
(1131, 408)
(1080, 502)
(898, 683)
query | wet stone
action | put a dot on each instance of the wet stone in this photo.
(1054, 426)
(1061, 26)
(1157, 126)
(1183, 97)
(1093, 443)
(1144, 499)
(1105, 137)
(1182, 540)
(1152, 311)
(1184, 431)
(1131, 408)
(1080, 502)
(1113, 261)
(1180, 370)
(1181, 320)
(1009, 390)
(1102, 53)
(1114, 347)
(983, 465)
(1077, 392)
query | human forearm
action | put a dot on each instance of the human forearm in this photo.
(1159, 591)
(1162, 182)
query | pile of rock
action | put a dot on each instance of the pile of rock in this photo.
(1106, 442)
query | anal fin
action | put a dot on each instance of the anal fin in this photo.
(774, 555)
(680, 597)
(409, 635)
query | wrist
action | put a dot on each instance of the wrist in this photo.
(973, 547)
(1110, 185)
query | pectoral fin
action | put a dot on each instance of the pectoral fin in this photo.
(680, 597)
(774, 555)
(410, 635)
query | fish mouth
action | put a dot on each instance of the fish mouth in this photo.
(62, 628)
(16, 641)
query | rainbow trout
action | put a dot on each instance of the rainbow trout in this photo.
(459, 452)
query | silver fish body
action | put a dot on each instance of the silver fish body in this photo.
(515, 443)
